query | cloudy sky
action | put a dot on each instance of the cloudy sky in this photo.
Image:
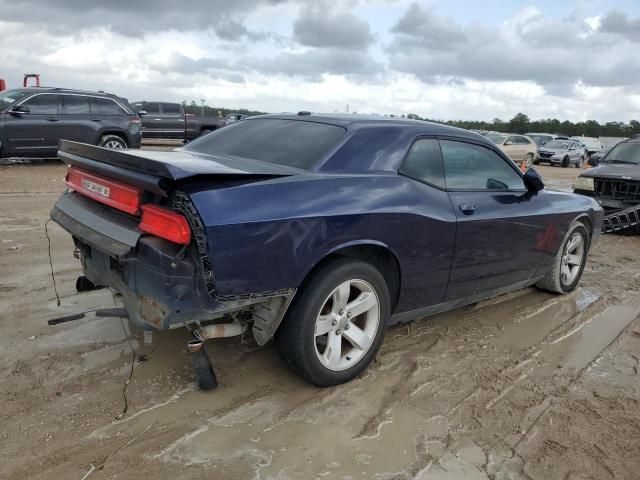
(459, 59)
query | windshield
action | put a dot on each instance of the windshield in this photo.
(540, 139)
(563, 145)
(294, 143)
(11, 96)
(624, 153)
(497, 139)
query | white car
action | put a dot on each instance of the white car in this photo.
(592, 144)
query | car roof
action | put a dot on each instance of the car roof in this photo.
(355, 121)
(63, 90)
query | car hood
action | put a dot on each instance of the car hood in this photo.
(614, 170)
(552, 150)
(174, 165)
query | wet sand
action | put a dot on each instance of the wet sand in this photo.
(525, 386)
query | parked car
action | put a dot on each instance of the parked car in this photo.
(615, 182)
(34, 120)
(562, 152)
(234, 117)
(592, 145)
(318, 231)
(519, 148)
(169, 120)
(541, 138)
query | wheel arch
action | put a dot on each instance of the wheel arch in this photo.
(374, 252)
(118, 133)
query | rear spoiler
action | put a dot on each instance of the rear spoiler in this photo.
(155, 171)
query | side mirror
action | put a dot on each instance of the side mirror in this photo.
(593, 161)
(506, 144)
(20, 109)
(533, 181)
(142, 112)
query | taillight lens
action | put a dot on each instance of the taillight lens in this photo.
(136, 120)
(165, 223)
(115, 194)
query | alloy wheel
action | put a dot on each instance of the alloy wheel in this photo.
(572, 258)
(346, 325)
(113, 144)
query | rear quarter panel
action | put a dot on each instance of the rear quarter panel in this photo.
(268, 236)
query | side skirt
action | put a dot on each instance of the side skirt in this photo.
(412, 315)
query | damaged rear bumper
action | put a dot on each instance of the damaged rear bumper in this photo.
(162, 286)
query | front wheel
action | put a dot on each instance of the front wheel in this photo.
(565, 162)
(336, 323)
(569, 262)
(112, 141)
(204, 132)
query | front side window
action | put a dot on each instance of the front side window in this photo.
(511, 141)
(473, 167)
(75, 105)
(43, 104)
(11, 96)
(522, 141)
(295, 143)
(105, 106)
(424, 162)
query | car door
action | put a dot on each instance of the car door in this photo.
(172, 121)
(76, 121)
(36, 132)
(501, 228)
(511, 148)
(151, 127)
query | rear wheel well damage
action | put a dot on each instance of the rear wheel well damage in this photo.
(377, 255)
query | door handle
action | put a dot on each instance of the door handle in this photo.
(158, 119)
(467, 208)
(96, 119)
(52, 119)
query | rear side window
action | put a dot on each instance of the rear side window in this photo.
(473, 167)
(150, 108)
(424, 163)
(75, 105)
(43, 104)
(105, 106)
(171, 109)
(295, 143)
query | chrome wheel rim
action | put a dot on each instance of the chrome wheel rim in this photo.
(113, 144)
(572, 259)
(347, 325)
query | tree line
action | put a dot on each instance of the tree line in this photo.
(518, 124)
(522, 124)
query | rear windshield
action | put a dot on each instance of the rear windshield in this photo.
(294, 143)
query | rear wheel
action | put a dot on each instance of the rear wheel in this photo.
(528, 160)
(336, 324)
(112, 141)
(569, 262)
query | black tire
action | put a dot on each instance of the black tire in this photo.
(565, 162)
(204, 132)
(112, 141)
(553, 281)
(536, 162)
(295, 339)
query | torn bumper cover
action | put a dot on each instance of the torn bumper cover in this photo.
(161, 286)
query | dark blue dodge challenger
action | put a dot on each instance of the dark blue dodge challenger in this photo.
(317, 231)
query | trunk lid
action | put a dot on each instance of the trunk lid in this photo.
(159, 171)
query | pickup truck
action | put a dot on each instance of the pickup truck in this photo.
(169, 120)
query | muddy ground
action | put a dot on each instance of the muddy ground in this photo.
(526, 386)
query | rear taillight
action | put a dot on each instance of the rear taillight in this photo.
(115, 194)
(136, 120)
(165, 223)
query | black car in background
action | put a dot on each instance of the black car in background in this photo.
(170, 121)
(33, 120)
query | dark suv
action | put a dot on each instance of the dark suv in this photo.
(33, 120)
